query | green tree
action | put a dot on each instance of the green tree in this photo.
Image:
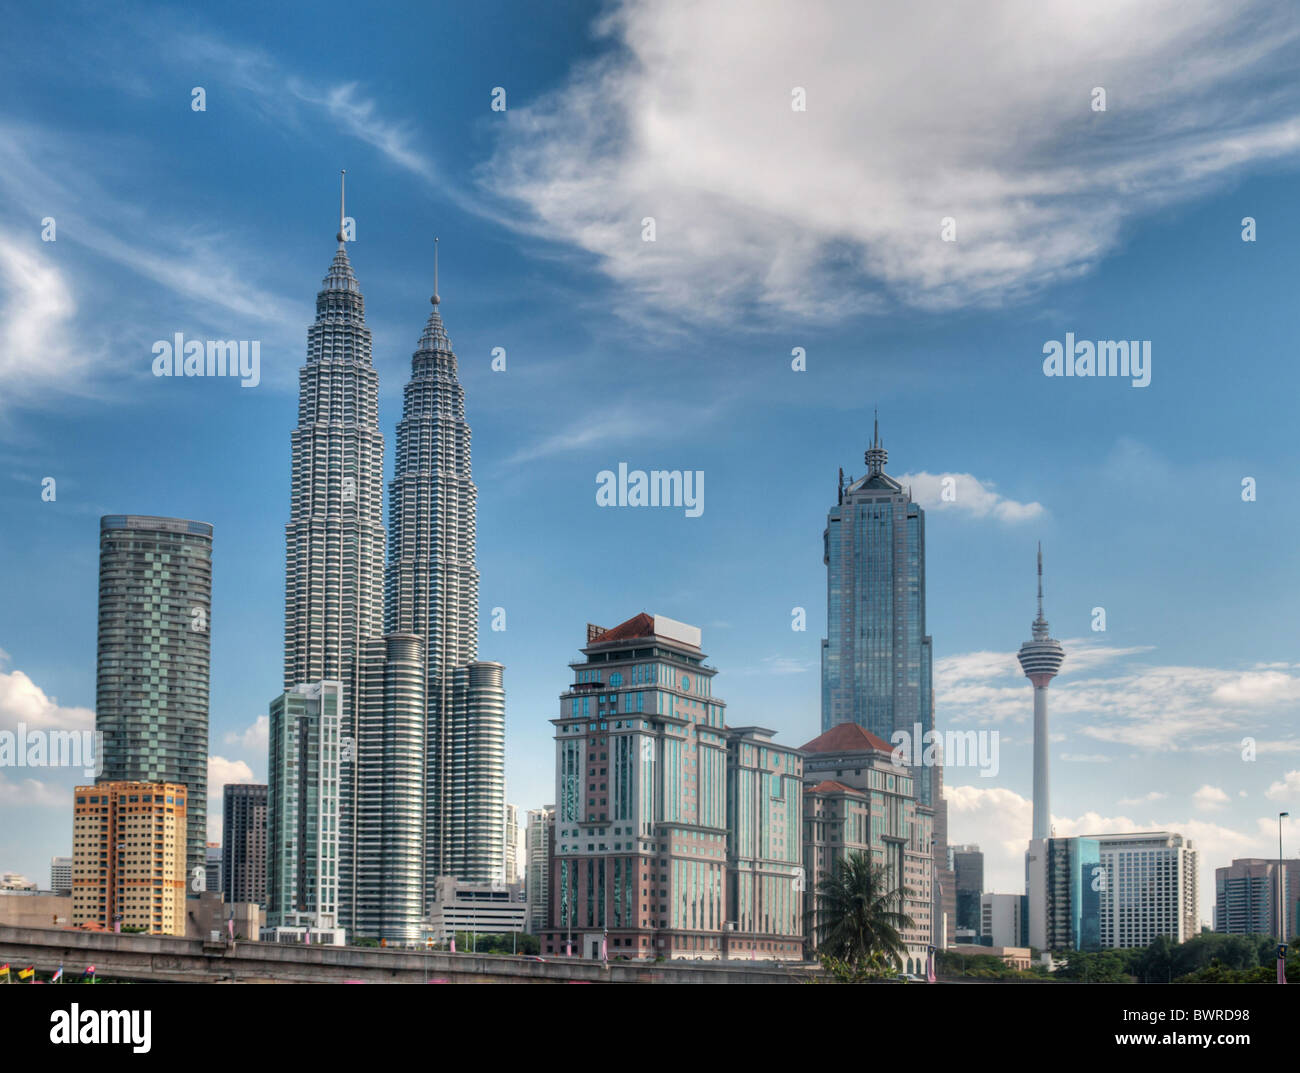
(1102, 966)
(859, 918)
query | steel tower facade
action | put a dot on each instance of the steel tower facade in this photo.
(334, 540)
(431, 594)
(1041, 660)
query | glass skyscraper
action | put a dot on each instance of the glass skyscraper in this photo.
(876, 657)
(302, 837)
(154, 646)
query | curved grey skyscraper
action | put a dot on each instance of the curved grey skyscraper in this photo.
(151, 690)
(432, 592)
(1041, 661)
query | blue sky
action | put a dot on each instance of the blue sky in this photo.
(775, 229)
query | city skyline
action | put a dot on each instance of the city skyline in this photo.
(609, 357)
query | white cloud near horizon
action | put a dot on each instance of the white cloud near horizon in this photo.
(983, 115)
(23, 701)
(998, 821)
(964, 493)
(253, 738)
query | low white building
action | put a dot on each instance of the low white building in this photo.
(481, 908)
(1003, 919)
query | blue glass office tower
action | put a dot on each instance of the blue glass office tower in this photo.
(1065, 880)
(876, 658)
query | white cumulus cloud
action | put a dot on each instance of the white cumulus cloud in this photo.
(981, 113)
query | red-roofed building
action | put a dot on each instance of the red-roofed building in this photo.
(857, 800)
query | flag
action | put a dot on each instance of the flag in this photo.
(568, 949)
(604, 950)
(27, 973)
(1281, 970)
(929, 967)
(4, 969)
(230, 926)
(90, 971)
(453, 944)
(306, 937)
(57, 976)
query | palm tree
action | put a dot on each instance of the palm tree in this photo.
(858, 918)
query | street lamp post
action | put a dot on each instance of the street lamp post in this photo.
(1281, 885)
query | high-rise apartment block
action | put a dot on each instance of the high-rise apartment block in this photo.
(129, 856)
(858, 800)
(243, 850)
(302, 812)
(1246, 897)
(510, 864)
(541, 822)
(151, 691)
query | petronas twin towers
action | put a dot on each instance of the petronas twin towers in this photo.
(420, 781)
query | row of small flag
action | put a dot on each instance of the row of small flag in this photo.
(29, 973)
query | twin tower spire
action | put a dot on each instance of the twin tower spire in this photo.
(341, 236)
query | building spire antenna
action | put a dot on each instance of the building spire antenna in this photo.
(876, 455)
(343, 176)
(1040, 579)
(435, 299)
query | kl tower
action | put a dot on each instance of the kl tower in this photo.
(1041, 661)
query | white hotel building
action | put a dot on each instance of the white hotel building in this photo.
(1150, 889)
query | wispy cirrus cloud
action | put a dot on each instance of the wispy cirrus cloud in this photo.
(616, 425)
(66, 332)
(1136, 704)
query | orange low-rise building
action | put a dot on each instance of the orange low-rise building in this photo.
(128, 856)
